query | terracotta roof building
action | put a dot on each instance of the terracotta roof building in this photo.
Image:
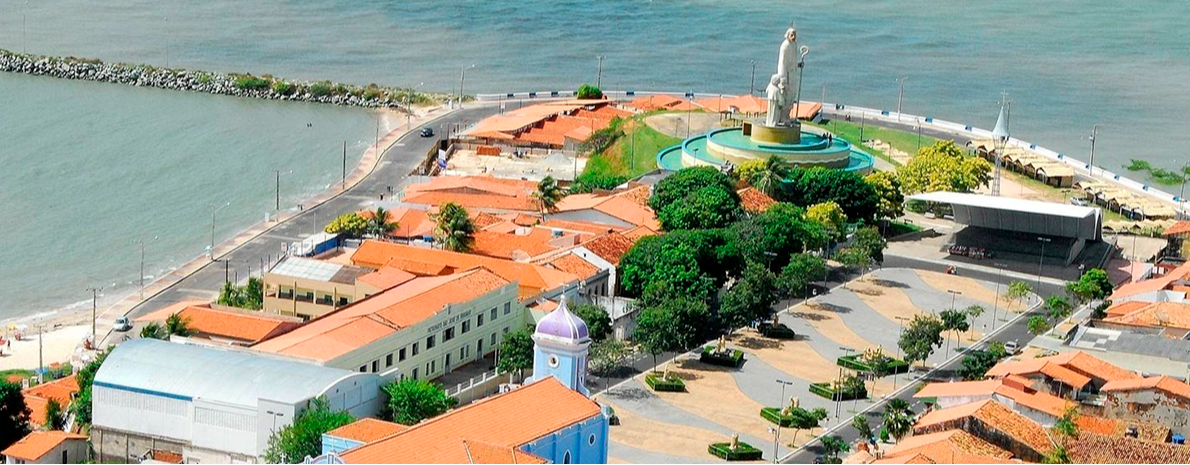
(540, 422)
(1013, 391)
(307, 288)
(478, 193)
(992, 422)
(659, 102)
(1072, 374)
(37, 398)
(951, 446)
(547, 124)
(622, 208)
(1155, 289)
(227, 325)
(48, 447)
(1170, 319)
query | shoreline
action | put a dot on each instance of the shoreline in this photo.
(244, 85)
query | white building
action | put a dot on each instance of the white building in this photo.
(210, 404)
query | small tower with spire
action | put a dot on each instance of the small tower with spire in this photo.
(560, 345)
(1000, 138)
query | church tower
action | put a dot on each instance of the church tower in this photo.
(560, 348)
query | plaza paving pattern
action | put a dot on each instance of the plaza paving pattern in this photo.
(678, 427)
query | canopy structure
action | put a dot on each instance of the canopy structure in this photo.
(1021, 216)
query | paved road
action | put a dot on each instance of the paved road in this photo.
(1017, 331)
(394, 166)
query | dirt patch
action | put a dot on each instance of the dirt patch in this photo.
(645, 434)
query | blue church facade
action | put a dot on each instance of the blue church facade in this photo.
(584, 442)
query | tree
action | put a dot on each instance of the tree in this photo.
(412, 400)
(14, 414)
(657, 332)
(919, 339)
(351, 225)
(683, 263)
(832, 446)
(548, 194)
(378, 223)
(888, 190)
(303, 438)
(803, 269)
(770, 237)
(599, 323)
(454, 229)
(176, 325)
(977, 363)
(801, 419)
(516, 352)
(710, 207)
(153, 330)
(1058, 454)
(943, 167)
(1017, 291)
(750, 299)
(1092, 285)
(588, 92)
(954, 321)
(769, 176)
(869, 240)
(81, 406)
(1067, 426)
(1038, 325)
(1058, 306)
(860, 424)
(856, 197)
(55, 418)
(747, 169)
(830, 215)
(973, 312)
(607, 356)
(898, 419)
(687, 181)
(249, 296)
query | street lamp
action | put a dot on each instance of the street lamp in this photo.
(94, 311)
(141, 243)
(900, 95)
(996, 303)
(780, 402)
(462, 78)
(751, 88)
(1091, 164)
(1040, 261)
(839, 395)
(215, 209)
(278, 190)
(599, 74)
(900, 331)
(801, 69)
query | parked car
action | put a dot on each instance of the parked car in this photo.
(427, 132)
(1079, 201)
(122, 324)
(1011, 347)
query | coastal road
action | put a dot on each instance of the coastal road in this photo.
(394, 166)
(1016, 331)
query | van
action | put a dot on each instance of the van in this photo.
(1011, 347)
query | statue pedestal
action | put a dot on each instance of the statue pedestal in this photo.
(762, 134)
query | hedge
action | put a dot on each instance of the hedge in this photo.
(734, 359)
(671, 384)
(824, 390)
(852, 362)
(777, 331)
(745, 451)
(773, 414)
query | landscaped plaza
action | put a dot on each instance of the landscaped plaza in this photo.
(677, 427)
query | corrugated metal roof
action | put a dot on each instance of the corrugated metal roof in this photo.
(1005, 203)
(214, 374)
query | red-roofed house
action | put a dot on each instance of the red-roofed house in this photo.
(1156, 289)
(37, 398)
(48, 447)
(617, 209)
(227, 325)
(475, 193)
(1073, 374)
(994, 423)
(951, 446)
(1158, 399)
(1012, 391)
(547, 125)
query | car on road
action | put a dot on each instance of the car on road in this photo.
(122, 324)
(1011, 347)
(1079, 201)
(427, 132)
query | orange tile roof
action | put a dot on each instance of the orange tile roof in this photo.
(482, 452)
(411, 223)
(386, 277)
(1152, 284)
(519, 247)
(743, 104)
(245, 327)
(367, 320)
(474, 192)
(610, 247)
(521, 118)
(1159, 314)
(419, 268)
(626, 205)
(1124, 308)
(499, 421)
(544, 305)
(1074, 368)
(367, 430)
(951, 446)
(654, 102)
(482, 220)
(1097, 448)
(35, 445)
(574, 265)
(532, 279)
(993, 415)
(754, 201)
(61, 390)
(1181, 227)
(1162, 383)
(489, 201)
(1037, 400)
(581, 226)
(164, 456)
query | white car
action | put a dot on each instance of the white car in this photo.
(122, 324)
(1011, 347)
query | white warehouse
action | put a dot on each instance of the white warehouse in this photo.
(206, 404)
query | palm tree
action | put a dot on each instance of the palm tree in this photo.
(153, 330)
(769, 178)
(548, 194)
(454, 229)
(378, 225)
(176, 325)
(898, 419)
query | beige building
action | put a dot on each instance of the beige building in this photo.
(309, 288)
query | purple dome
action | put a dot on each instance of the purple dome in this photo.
(562, 324)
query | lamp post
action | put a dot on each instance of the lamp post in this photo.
(1091, 164)
(1182, 192)
(900, 331)
(751, 88)
(278, 172)
(462, 79)
(599, 74)
(780, 402)
(215, 209)
(900, 95)
(996, 303)
(1040, 261)
(141, 243)
(94, 312)
(953, 294)
(838, 395)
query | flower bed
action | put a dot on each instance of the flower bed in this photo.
(659, 383)
(744, 451)
(733, 358)
(887, 367)
(827, 391)
(776, 331)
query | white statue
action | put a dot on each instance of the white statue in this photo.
(785, 80)
(776, 104)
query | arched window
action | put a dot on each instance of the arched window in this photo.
(566, 457)
(591, 440)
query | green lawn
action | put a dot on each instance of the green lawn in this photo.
(634, 153)
(904, 141)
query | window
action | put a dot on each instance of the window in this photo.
(363, 369)
(342, 301)
(591, 440)
(401, 355)
(493, 318)
(415, 373)
(566, 457)
(375, 366)
(493, 339)
(553, 361)
(447, 334)
(429, 369)
(446, 365)
(388, 360)
(414, 349)
(466, 326)
(505, 330)
(507, 307)
(463, 352)
(429, 342)
(479, 321)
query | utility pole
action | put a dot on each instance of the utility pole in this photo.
(141, 242)
(1040, 261)
(1091, 164)
(278, 195)
(751, 88)
(599, 75)
(462, 78)
(823, 101)
(94, 311)
(900, 96)
(780, 402)
(215, 209)
(344, 165)
(40, 361)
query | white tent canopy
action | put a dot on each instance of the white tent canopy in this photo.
(1019, 215)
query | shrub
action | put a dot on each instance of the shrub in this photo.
(320, 89)
(883, 367)
(250, 82)
(373, 93)
(733, 358)
(670, 383)
(745, 451)
(587, 91)
(282, 88)
(851, 392)
(776, 331)
(773, 414)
